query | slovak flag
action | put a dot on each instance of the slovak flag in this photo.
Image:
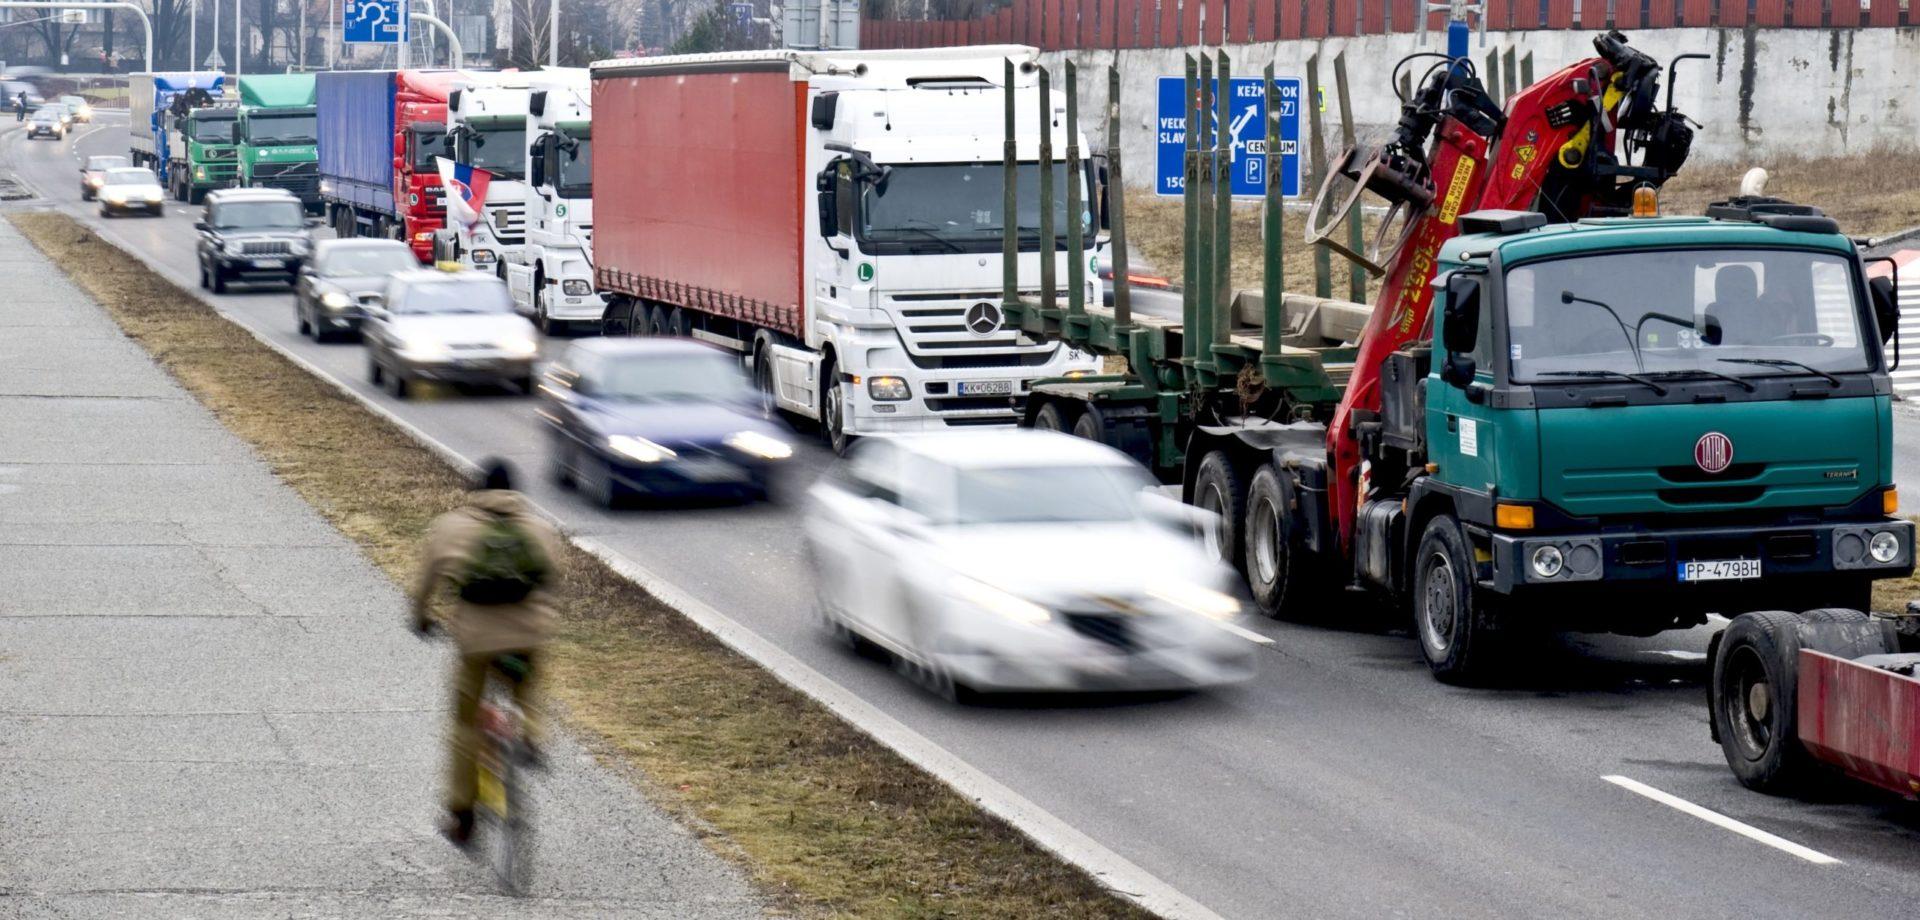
(466, 191)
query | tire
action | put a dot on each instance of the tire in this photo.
(374, 374)
(1451, 620)
(219, 279)
(654, 319)
(560, 462)
(763, 381)
(1217, 488)
(594, 479)
(300, 320)
(204, 283)
(620, 319)
(541, 320)
(1847, 633)
(524, 385)
(1091, 425)
(1050, 418)
(397, 386)
(833, 410)
(678, 324)
(1278, 570)
(1755, 681)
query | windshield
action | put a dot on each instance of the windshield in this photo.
(1047, 494)
(280, 129)
(1684, 310)
(501, 151)
(259, 215)
(132, 176)
(105, 162)
(958, 207)
(480, 295)
(576, 169)
(427, 146)
(366, 261)
(673, 378)
(213, 128)
(47, 114)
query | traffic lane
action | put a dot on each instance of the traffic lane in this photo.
(1192, 772)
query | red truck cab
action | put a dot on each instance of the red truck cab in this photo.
(420, 137)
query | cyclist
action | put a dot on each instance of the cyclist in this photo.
(502, 560)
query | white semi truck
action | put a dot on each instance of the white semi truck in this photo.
(837, 217)
(551, 276)
(487, 119)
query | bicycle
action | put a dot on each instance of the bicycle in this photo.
(500, 756)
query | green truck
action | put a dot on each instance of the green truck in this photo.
(1610, 423)
(277, 135)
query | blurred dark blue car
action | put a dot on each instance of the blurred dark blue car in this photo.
(661, 417)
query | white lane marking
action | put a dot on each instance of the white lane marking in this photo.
(1244, 633)
(1715, 818)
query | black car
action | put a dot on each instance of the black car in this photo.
(660, 417)
(251, 235)
(341, 279)
(94, 174)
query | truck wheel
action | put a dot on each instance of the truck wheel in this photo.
(1217, 488)
(1050, 418)
(1847, 633)
(833, 410)
(1091, 425)
(1277, 567)
(1449, 615)
(678, 324)
(656, 319)
(1755, 712)
(763, 381)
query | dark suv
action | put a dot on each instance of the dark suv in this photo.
(251, 235)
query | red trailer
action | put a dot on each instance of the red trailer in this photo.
(1795, 698)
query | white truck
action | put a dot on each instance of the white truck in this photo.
(551, 276)
(837, 217)
(487, 119)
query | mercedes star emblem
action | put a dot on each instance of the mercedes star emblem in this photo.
(983, 319)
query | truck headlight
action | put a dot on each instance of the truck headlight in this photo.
(1547, 561)
(576, 287)
(483, 257)
(1197, 599)
(334, 300)
(520, 347)
(1017, 609)
(199, 172)
(1884, 547)
(888, 389)
(766, 447)
(639, 449)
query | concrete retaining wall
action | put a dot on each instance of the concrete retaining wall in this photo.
(1766, 93)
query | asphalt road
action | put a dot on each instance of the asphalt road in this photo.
(1342, 782)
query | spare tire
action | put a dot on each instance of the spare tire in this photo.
(1845, 633)
(1754, 702)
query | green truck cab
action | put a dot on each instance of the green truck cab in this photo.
(277, 135)
(1632, 422)
(205, 156)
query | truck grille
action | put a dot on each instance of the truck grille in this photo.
(939, 332)
(509, 222)
(302, 179)
(224, 153)
(266, 248)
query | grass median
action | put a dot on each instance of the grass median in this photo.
(824, 819)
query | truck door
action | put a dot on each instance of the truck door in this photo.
(1463, 431)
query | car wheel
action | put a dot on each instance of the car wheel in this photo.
(524, 384)
(219, 279)
(594, 479)
(833, 409)
(1450, 617)
(397, 385)
(300, 320)
(374, 374)
(1217, 489)
(561, 461)
(106, 213)
(204, 284)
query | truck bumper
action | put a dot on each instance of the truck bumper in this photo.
(1649, 560)
(938, 400)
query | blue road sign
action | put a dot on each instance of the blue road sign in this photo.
(742, 13)
(374, 22)
(1244, 119)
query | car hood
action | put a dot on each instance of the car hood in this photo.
(356, 285)
(674, 425)
(1057, 564)
(269, 233)
(133, 189)
(463, 328)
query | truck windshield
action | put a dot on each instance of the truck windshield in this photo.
(281, 129)
(213, 129)
(1685, 310)
(501, 151)
(957, 207)
(576, 169)
(259, 215)
(427, 147)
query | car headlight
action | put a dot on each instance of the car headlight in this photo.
(1199, 599)
(1884, 547)
(334, 300)
(639, 449)
(518, 346)
(93, 181)
(153, 196)
(888, 389)
(116, 197)
(1017, 609)
(483, 257)
(420, 350)
(576, 287)
(766, 447)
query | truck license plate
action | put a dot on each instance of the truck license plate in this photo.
(986, 388)
(1720, 570)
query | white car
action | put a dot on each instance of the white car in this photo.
(1021, 560)
(448, 327)
(130, 188)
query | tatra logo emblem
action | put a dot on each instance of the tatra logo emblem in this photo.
(1713, 452)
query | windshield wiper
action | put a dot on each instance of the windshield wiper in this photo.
(1832, 381)
(1633, 343)
(1657, 389)
(929, 234)
(1743, 382)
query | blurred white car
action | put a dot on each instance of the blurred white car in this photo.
(1021, 560)
(449, 327)
(130, 188)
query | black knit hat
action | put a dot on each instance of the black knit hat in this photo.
(494, 474)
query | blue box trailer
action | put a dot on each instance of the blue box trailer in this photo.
(148, 96)
(356, 139)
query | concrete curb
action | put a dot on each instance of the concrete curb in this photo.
(1056, 836)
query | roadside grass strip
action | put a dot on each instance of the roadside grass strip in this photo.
(826, 820)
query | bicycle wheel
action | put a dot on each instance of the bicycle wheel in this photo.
(501, 804)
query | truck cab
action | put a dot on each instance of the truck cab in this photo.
(552, 277)
(487, 119)
(277, 135)
(420, 142)
(1629, 423)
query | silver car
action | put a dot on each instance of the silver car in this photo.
(341, 279)
(448, 327)
(126, 189)
(47, 121)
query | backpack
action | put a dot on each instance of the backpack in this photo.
(506, 564)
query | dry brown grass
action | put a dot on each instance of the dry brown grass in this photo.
(1155, 228)
(825, 820)
(1869, 194)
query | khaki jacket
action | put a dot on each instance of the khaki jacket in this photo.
(497, 628)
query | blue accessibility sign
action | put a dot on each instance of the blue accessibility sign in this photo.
(374, 22)
(1243, 118)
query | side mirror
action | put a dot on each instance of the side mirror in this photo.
(537, 166)
(200, 225)
(829, 203)
(1103, 216)
(1460, 328)
(1886, 306)
(238, 134)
